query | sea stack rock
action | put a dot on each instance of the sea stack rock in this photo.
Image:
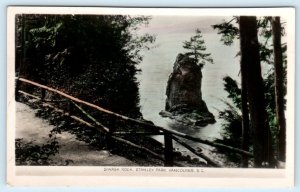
(184, 97)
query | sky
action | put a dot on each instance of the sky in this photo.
(167, 24)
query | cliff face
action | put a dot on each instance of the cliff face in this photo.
(184, 96)
(184, 84)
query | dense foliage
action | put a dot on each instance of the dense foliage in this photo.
(196, 48)
(28, 153)
(93, 57)
(232, 125)
(232, 119)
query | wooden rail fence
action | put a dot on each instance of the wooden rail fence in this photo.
(169, 135)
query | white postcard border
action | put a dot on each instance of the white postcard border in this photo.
(96, 176)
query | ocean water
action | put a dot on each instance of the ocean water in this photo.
(158, 62)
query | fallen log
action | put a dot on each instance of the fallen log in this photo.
(59, 110)
(147, 125)
(104, 128)
(90, 125)
(201, 155)
(138, 147)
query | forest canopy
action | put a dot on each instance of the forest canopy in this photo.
(261, 101)
(93, 57)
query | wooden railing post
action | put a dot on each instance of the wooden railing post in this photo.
(43, 94)
(168, 149)
(169, 135)
(112, 127)
(17, 87)
(43, 91)
(70, 107)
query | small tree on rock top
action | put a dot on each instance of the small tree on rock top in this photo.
(196, 48)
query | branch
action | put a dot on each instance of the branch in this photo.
(207, 159)
(138, 147)
(59, 110)
(104, 128)
(146, 125)
(90, 125)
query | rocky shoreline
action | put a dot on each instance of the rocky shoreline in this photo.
(190, 116)
(184, 101)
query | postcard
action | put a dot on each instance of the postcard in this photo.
(150, 97)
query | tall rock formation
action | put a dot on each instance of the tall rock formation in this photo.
(184, 97)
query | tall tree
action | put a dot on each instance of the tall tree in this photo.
(245, 117)
(250, 65)
(229, 33)
(94, 57)
(196, 48)
(279, 87)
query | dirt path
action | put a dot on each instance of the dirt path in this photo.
(36, 130)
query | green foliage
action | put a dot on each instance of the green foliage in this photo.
(28, 153)
(93, 57)
(266, 44)
(265, 34)
(228, 30)
(266, 53)
(264, 27)
(231, 134)
(234, 92)
(196, 48)
(269, 86)
(232, 120)
(45, 35)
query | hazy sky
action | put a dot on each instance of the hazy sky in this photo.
(167, 24)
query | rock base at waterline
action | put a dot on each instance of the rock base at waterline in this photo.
(189, 116)
(184, 101)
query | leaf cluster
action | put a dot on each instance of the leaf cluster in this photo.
(196, 48)
(94, 57)
(28, 153)
(228, 30)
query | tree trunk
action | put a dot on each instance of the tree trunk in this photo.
(245, 118)
(250, 63)
(279, 88)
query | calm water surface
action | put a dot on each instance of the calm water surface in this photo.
(158, 64)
